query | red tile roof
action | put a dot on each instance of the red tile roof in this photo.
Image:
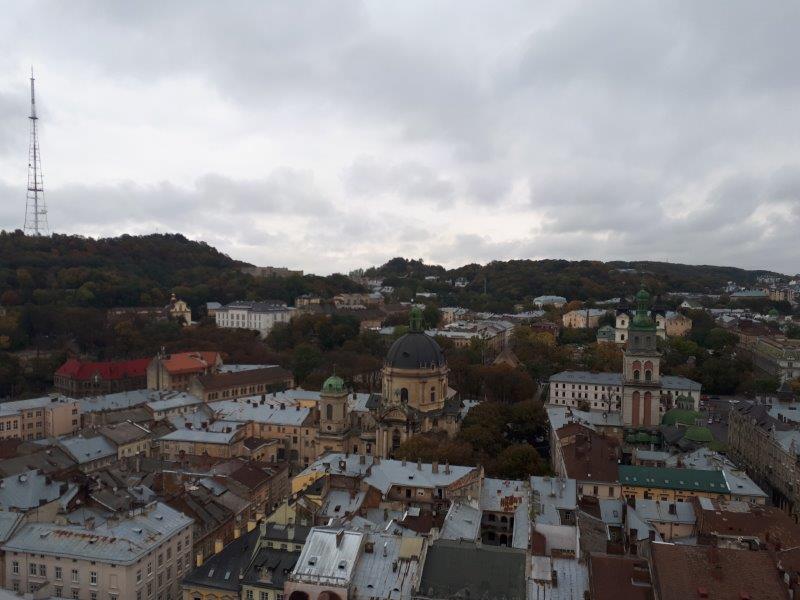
(84, 371)
(686, 572)
(189, 362)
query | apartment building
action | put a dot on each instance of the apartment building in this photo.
(583, 318)
(768, 448)
(37, 418)
(258, 316)
(143, 554)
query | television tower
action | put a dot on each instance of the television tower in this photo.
(35, 208)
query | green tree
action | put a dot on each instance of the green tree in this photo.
(305, 358)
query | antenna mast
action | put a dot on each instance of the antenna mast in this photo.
(35, 207)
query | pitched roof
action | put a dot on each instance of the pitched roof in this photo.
(591, 457)
(189, 362)
(619, 578)
(266, 375)
(681, 571)
(712, 481)
(84, 371)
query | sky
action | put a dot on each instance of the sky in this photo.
(327, 135)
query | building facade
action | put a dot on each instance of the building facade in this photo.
(258, 316)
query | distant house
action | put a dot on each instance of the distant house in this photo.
(76, 378)
(557, 301)
(606, 334)
(585, 318)
(749, 295)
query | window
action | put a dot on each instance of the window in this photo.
(403, 395)
(149, 588)
(139, 576)
(59, 592)
(93, 577)
(249, 594)
(169, 553)
(15, 567)
(76, 594)
(32, 569)
(329, 412)
(93, 595)
(263, 596)
(42, 570)
(75, 577)
(138, 594)
(160, 559)
(149, 568)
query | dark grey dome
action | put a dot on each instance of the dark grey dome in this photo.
(415, 350)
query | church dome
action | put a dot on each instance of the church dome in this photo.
(415, 350)
(333, 385)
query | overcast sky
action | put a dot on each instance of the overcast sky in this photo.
(331, 135)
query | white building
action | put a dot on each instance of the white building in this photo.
(259, 316)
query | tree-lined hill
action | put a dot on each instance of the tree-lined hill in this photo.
(500, 284)
(136, 271)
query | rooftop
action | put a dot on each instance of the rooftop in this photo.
(266, 375)
(121, 542)
(486, 572)
(715, 573)
(84, 371)
(86, 449)
(28, 490)
(329, 556)
(674, 479)
(463, 522)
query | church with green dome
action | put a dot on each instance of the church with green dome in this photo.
(415, 397)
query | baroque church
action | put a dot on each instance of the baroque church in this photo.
(415, 398)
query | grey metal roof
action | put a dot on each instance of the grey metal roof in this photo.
(242, 410)
(122, 542)
(463, 522)
(129, 399)
(386, 473)
(415, 350)
(587, 377)
(8, 523)
(179, 401)
(28, 490)
(385, 572)
(495, 491)
(675, 382)
(557, 579)
(329, 556)
(201, 435)
(551, 494)
(85, 450)
(656, 511)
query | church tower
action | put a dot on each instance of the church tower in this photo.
(641, 398)
(334, 422)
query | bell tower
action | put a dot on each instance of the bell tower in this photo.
(333, 418)
(641, 399)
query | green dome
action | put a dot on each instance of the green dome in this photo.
(333, 385)
(642, 296)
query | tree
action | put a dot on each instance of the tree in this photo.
(518, 461)
(305, 359)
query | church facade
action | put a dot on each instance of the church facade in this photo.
(415, 398)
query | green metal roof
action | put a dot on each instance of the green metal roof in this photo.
(694, 480)
(333, 385)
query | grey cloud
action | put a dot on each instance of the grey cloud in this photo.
(369, 178)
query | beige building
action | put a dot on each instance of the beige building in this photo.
(224, 440)
(141, 556)
(37, 418)
(237, 384)
(585, 318)
(129, 438)
(769, 450)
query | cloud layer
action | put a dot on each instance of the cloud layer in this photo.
(328, 136)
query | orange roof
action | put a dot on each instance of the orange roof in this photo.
(189, 362)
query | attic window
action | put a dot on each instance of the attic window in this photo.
(211, 572)
(337, 508)
(312, 560)
(227, 575)
(342, 565)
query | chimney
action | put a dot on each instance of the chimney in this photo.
(385, 549)
(447, 467)
(403, 463)
(435, 467)
(419, 464)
